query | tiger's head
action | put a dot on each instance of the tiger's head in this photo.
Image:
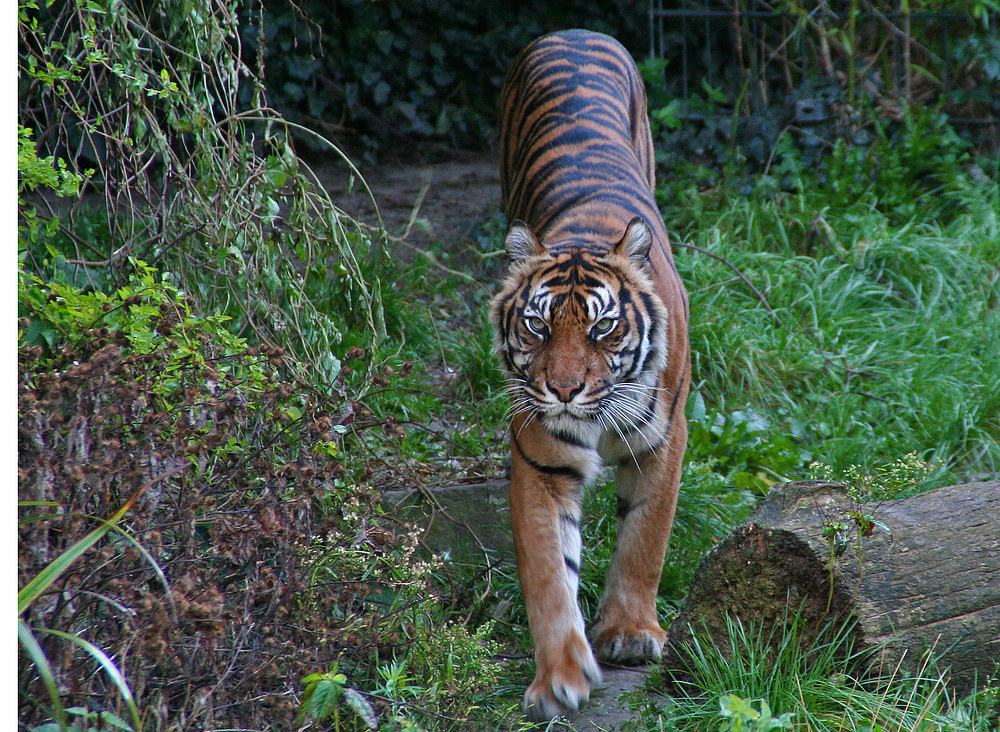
(582, 336)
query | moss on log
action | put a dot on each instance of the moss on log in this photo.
(925, 577)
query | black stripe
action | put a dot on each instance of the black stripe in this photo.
(561, 470)
(649, 412)
(508, 362)
(677, 395)
(568, 438)
(572, 565)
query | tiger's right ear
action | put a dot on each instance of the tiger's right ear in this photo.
(521, 242)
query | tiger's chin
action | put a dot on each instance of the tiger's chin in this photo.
(571, 421)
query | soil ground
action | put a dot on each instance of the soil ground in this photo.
(607, 712)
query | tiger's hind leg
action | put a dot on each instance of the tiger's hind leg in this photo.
(627, 630)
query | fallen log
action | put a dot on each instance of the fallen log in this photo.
(908, 576)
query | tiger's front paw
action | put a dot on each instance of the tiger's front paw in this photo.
(562, 686)
(629, 646)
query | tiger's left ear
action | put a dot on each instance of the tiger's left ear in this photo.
(636, 242)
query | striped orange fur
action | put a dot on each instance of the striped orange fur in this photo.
(591, 329)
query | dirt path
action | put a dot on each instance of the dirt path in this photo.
(440, 205)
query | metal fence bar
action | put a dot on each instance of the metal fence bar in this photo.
(753, 52)
(697, 14)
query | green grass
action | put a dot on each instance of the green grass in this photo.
(882, 340)
(434, 374)
(815, 686)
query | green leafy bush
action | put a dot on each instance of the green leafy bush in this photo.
(741, 716)
(917, 168)
(181, 163)
(903, 104)
(429, 664)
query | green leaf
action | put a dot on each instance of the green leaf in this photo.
(732, 706)
(331, 367)
(323, 697)
(652, 70)
(714, 94)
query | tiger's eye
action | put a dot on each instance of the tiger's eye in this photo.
(537, 325)
(603, 326)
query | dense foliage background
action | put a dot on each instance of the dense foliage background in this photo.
(371, 73)
(386, 74)
(221, 373)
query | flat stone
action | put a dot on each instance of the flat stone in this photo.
(606, 712)
(462, 521)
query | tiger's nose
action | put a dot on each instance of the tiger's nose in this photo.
(565, 392)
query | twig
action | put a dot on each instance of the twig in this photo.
(739, 274)
(416, 209)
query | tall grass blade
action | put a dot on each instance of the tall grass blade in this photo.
(44, 579)
(109, 668)
(152, 563)
(41, 582)
(30, 644)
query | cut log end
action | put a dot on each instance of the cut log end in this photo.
(764, 577)
(928, 580)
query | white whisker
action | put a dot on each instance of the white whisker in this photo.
(531, 416)
(625, 385)
(629, 412)
(621, 436)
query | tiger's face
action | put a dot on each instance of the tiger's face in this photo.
(581, 335)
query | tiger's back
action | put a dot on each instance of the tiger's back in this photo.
(575, 148)
(591, 327)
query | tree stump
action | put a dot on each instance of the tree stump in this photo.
(926, 577)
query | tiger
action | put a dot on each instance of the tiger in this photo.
(590, 326)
